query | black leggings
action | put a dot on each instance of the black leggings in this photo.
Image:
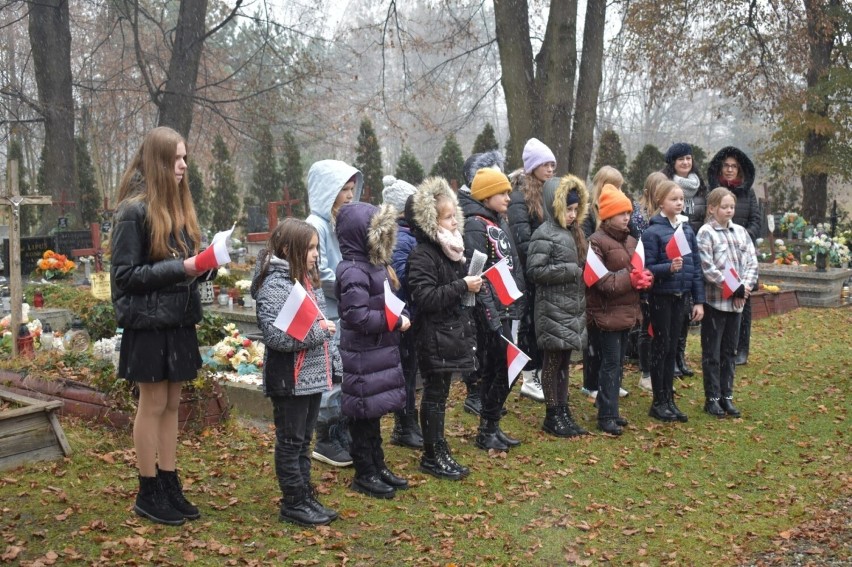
(554, 376)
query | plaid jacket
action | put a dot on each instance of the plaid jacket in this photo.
(718, 244)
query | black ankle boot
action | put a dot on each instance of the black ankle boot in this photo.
(389, 478)
(554, 425)
(296, 509)
(446, 455)
(405, 432)
(153, 503)
(311, 494)
(660, 408)
(610, 426)
(712, 407)
(572, 424)
(508, 441)
(373, 485)
(679, 415)
(487, 437)
(432, 462)
(172, 487)
(727, 404)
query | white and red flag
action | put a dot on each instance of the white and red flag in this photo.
(216, 254)
(393, 307)
(516, 359)
(500, 276)
(297, 314)
(678, 246)
(638, 259)
(594, 269)
(731, 282)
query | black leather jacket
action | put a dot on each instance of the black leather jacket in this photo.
(148, 294)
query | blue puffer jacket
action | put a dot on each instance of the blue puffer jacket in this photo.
(405, 243)
(690, 278)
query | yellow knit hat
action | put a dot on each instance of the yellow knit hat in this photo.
(613, 202)
(489, 182)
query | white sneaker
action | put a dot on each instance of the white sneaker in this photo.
(645, 384)
(531, 388)
(593, 394)
(622, 393)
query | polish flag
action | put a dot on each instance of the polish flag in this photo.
(594, 269)
(515, 361)
(650, 330)
(638, 259)
(500, 276)
(678, 246)
(731, 281)
(393, 307)
(297, 314)
(216, 254)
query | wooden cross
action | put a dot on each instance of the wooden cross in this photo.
(14, 200)
(272, 216)
(96, 251)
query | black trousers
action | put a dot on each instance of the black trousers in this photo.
(667, 318)
(495, 374)
(366, 447)
(408, 358)
(745, 328)
(295, 418)
(610, 369)
(719, 336)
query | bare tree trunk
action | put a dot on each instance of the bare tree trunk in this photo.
(178, 96)
(50, 40)
(518, 78)
(556, 66)
(588, 88)
(820, 42)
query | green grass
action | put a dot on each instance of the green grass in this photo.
(706, 492)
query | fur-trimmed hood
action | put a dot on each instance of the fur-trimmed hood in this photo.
(554, 194)
(714, 169)
(367, 232)
(421, 209)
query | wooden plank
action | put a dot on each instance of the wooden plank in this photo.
(17, 398)
(32, 438)
(59, 433)
(45, 454)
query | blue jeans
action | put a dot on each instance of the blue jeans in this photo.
(612, 345)
(295, 418)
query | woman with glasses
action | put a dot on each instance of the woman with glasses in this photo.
(732, 169)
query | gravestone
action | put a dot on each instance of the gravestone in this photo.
(256, 219)
(68, 240)
(32, 249)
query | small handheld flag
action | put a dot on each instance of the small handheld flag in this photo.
(297, 314)
(216, 254)
(594, 269)
(500, 276)
(638, 259)
(731, 281)
(515, 361)
(393, 307)
(678, 246)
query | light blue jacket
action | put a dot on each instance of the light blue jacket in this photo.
(325, 180)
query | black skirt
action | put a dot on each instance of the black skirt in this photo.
(157, 355)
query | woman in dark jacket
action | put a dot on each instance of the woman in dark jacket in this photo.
(156, 302)
(373, 384)
(556, 253)
(681, 169)
(732, 169)
(443, 329)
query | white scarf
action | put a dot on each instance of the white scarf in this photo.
(451, 243)
(689, 184)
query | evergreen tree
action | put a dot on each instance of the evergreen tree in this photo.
(225, 191)
(408, 168)
(90, 199)
(647, 161)
(486, 141)
(368, 158)
(610, 153)
(29, 214)
(699, 159)
(292, 176)
(266, 181)
(200, 198)
(450, 164)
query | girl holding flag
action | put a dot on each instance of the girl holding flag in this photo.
(612, 300)
(671, 255)
(371, 318)
(730, 271)
(298, 360)
(499, 302)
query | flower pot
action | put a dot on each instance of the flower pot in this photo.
(223, 299)
(821, 261)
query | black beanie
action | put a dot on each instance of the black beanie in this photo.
(677, 150)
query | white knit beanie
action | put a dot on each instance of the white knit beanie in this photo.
(396, 192)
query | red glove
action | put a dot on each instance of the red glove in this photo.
(649, 278)
(637, 279)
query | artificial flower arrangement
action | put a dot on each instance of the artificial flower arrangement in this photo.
(243, 285)
(8, 335)
(236, 352)
(836, 252)
(54, 266)
(792, 222)
(784, 256)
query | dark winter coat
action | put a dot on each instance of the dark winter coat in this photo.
(521, 222)
(690, 278)
(315, 356)
(488, 233)
(405, 243)
(148, 294)
(611, 303)
(747, 212)
(373, 384)
(444, 331)
(553, 266)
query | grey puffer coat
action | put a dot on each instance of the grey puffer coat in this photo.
(315, 357)
(373, 383)
(553, 265)
(444, 331)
